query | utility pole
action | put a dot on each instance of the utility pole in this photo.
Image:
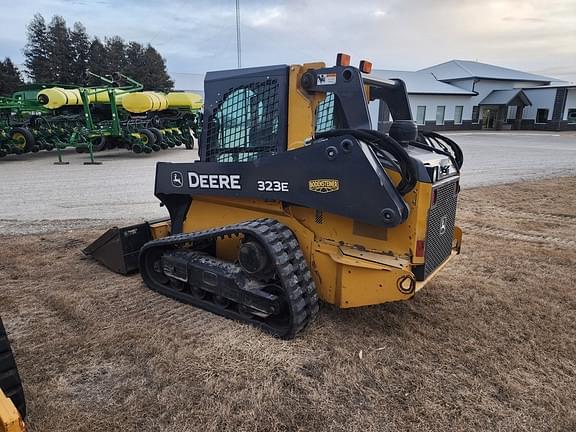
(238, 40)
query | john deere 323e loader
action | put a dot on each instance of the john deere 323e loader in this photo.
(296, 197)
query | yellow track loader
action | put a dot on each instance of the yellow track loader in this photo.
(296, 198)
(12, 403)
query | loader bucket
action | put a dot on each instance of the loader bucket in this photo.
(118, 248)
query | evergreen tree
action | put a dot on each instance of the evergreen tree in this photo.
(55, 53)
(10, 78)
(134, 60)
(80, 44)
(154, 76)
(97, 61)
(36, 51)
(61, 52)
(115, 54)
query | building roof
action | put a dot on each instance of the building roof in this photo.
(422, 82)
(567, 85)
(505, 97)
(463, 69)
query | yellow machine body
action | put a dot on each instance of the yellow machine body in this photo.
(10, 420)
(12, 402)
(353, 264)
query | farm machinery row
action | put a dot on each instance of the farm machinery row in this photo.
(116, 114)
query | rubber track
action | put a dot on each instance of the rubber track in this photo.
(9, 378)
(291, 268)
(292, 248)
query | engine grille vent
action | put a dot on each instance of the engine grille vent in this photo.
(441, 221)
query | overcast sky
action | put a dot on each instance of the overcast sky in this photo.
(199, 35)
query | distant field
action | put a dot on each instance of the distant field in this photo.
(489, 345)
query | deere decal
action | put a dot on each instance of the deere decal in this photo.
(324, 185)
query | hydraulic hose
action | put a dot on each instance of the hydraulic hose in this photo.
(385, 146)
(429, 138)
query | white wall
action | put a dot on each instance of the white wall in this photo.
(570, 102)
(432, 101)
(540, 98)
(484, 87)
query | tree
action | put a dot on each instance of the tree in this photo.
(97, 60)
(134, 60)
(115, 54)
(80, 43)
(145, 65)
(61, 52)
(10, 78)
(154, 75)
(55, 53)
(36, 51)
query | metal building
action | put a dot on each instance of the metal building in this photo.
(463, 94)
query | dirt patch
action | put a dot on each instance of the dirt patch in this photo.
(489, 345)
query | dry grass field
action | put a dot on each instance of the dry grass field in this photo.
(489, 345)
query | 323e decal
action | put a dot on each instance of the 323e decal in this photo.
(272, 186)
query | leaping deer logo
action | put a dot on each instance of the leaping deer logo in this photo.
(443, 225)
(177, 180)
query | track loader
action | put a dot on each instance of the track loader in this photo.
(12, 403)
(296, 198)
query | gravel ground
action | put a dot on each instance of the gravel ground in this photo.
(33, 189)
(488, 345)
(506, 157)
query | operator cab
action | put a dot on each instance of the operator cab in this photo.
(246, 113)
